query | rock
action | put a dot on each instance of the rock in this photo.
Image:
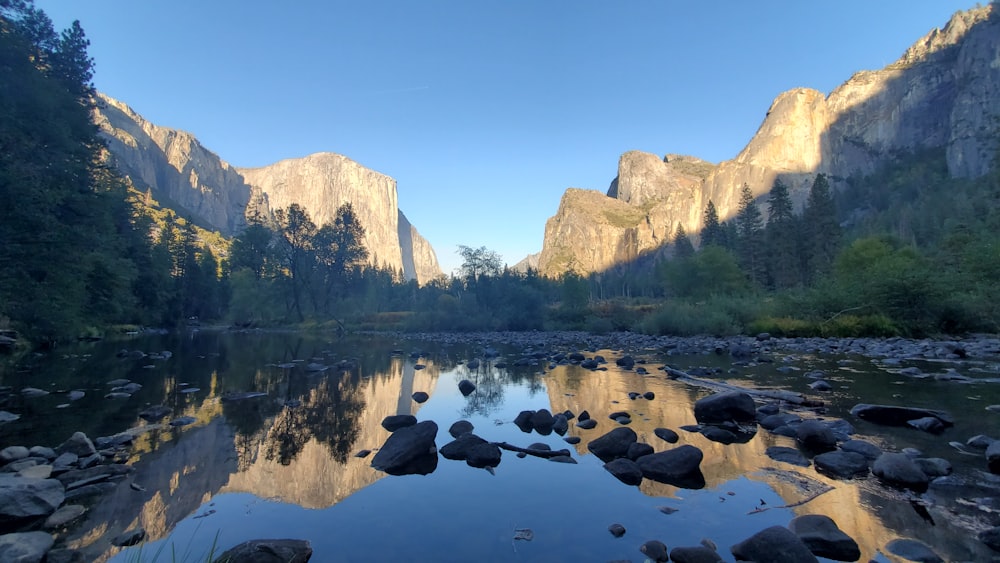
(563, 459)
(483, 455)
(31, 392)
(24, 500)
(409, 450)
(841, 464)
(584, 415)
(679, 466)
(42, 451)
(934, 466)
(36, 471)
(78, 444)
(899, 470)
(720, 435)
(587, 424)
(776, 544)
(655, 550)
(572, 439)
(867, 449)
(6, 417)
(824, 538)
(63, 516)
(737, 406)
(129, 537)
(695, 554)
(268, 551)
(62, 555)
(993, 457)
(13, 453)
(814, 436)
(897, 416)
(394, 422)
(612, 445)
(820, 385)
(648, 395)
(913, 550)
(979, 442)
(666, 434)
(25, 547)
(466, 387)
(182, 421)
(625, 470)
(787, 455)
(560, 424)
(542, 421)
(420, 397)
(617, 530)
(637, 450)
(991, 537)
(927, 424)
(460, 427)
(155, 413)
(773, 421)
(459, 448)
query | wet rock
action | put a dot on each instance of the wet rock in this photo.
(396, 421)
(900, 470)
(523, 421)
(824, 538)
(776, 544)
(23, 500)
(42, 451)
(25, 547)
(934, 466)
(130, 537)
(563, 459)
(62, 555)
(460, 427)
(363, 453)
(587, 424)
(841, 464)
(814, 436)
(927, 424)
(979, 442)
(625, 470)
(728, 406)
(773, 421)
(182, 421)
(627, 362)
(268, 551)
(612, 445)
(78, 444)
(13, 453)
(560, 424)
(409, 450)
(420, 397)
(31, 392)
(787, 455)
(617, 530)
(466, 387)
(459, 448)
(483, 455)
(584, 415)
(820, 385)
(993, 457)
(79, 494)
(572, 439)
(991, 537)
(94, 474)
(913, 550)
(867, 449)
(695, 554)
(542, 421)
(666, 434)
(679, 466)
(637, 450)
(720, 435)
(898, 416)
(655, 550)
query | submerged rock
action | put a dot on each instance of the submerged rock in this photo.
(824, 538)
(655, 550)
(728, 406)
(890, 415)
(694, 554)
(776, 544)
(841, 464)
(625, 470)
(913, 550)
(268, 551)
(680, 467)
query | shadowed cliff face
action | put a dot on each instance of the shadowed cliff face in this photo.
(939, 94)
(185, 175)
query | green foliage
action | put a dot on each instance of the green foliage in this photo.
(682, 244)
(750, 237)
(712, 233)
(683, 318)
(711, 272)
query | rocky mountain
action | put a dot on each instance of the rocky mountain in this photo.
(941, 94)
(186, 176)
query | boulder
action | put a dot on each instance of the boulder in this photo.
(268, 551)
(483, 455)
(679, 466)
(824, 538)
(420, 397)
(394, 422)
(655, 550)
(694, 554)
(409, 450)
(913, 550)
(787, 455)
(523, 421)
(890, 415)
(24, 500)
(637, 450)
(155, 413)
(770, 422)
(587, 424)
(728, 406)
(626, 470)
(928, 424)
(815, 437)
(934, 466)
(459, 448)
(466, 387)
(901, 471)
(776, 544)
(78, 444)
(26, 547)
(612, 445)
(867, 449)
(460, 427)
(13, 453)
(841, 464)
(542, 421)
(666, 434)
(560, 424)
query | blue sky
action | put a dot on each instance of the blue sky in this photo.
(484, 111)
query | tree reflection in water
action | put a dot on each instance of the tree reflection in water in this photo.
(490, 383)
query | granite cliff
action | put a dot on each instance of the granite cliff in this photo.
(941, 94)
(186, 176)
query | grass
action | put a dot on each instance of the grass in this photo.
(138, 557)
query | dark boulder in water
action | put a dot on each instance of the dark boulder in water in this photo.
(409, 450)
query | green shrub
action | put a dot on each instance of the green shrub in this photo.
(689, 319)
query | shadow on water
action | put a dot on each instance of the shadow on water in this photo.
(277, 419)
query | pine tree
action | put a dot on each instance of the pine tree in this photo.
(712, 233)
(822, 232)
(682, 244)
(749, 232)
(782, 239)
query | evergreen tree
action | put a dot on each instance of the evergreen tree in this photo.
(712, 232)
(682, 244)
(822, 233)
(782, 239)
(296, 232)
(749, 232)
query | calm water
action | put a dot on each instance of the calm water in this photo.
(283, 465)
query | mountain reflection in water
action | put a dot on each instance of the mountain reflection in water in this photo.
(283, 464)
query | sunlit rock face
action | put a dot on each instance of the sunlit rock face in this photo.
(939, 95)
(180, 172)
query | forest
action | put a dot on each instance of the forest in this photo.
(906, 251)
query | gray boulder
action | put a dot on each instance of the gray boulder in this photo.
(867, 449)
(993, 457)
(24, 500)
(913, 550)
(78, 444)
(901, 471)
(612, 445)
(841, 464)
(394, 422)
(729, 406)
(409, 450)
(268, 551)
(776, 544)
(542, 421)
(626, 470)
(787, 455)
(824, 538)
(814, 436)
(890, 415)
(26, 547)
(680, 466)
(483, 455)
(695, 554)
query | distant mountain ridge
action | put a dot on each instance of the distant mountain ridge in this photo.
(184, 174)
(941, 93)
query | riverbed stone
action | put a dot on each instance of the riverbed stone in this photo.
(727, 406)
(420, 397)
(778, 420)
(891, 415)
(459, 448)
(483, 455)
(268, 551)
(155, 413)
(638, 449)
(680, 466)
(814, 436)
(928, 424)
(25, 547)
(787, 455)
(934, 466)
(542, 421)
(617, 530)
(409, 450)
(900, 470)
(841, 464)
(666, 435)
(824, 538)
(78, 444)
(867, 449)
(913, 550)
(460, 427)
(655, 550)
(560, 424)
(613, 444)
(776, 544)
(23, 500)
(466, 387)
(13, 453)
(394, 422)
(42, 451)
(625, 470)
(694, 554)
